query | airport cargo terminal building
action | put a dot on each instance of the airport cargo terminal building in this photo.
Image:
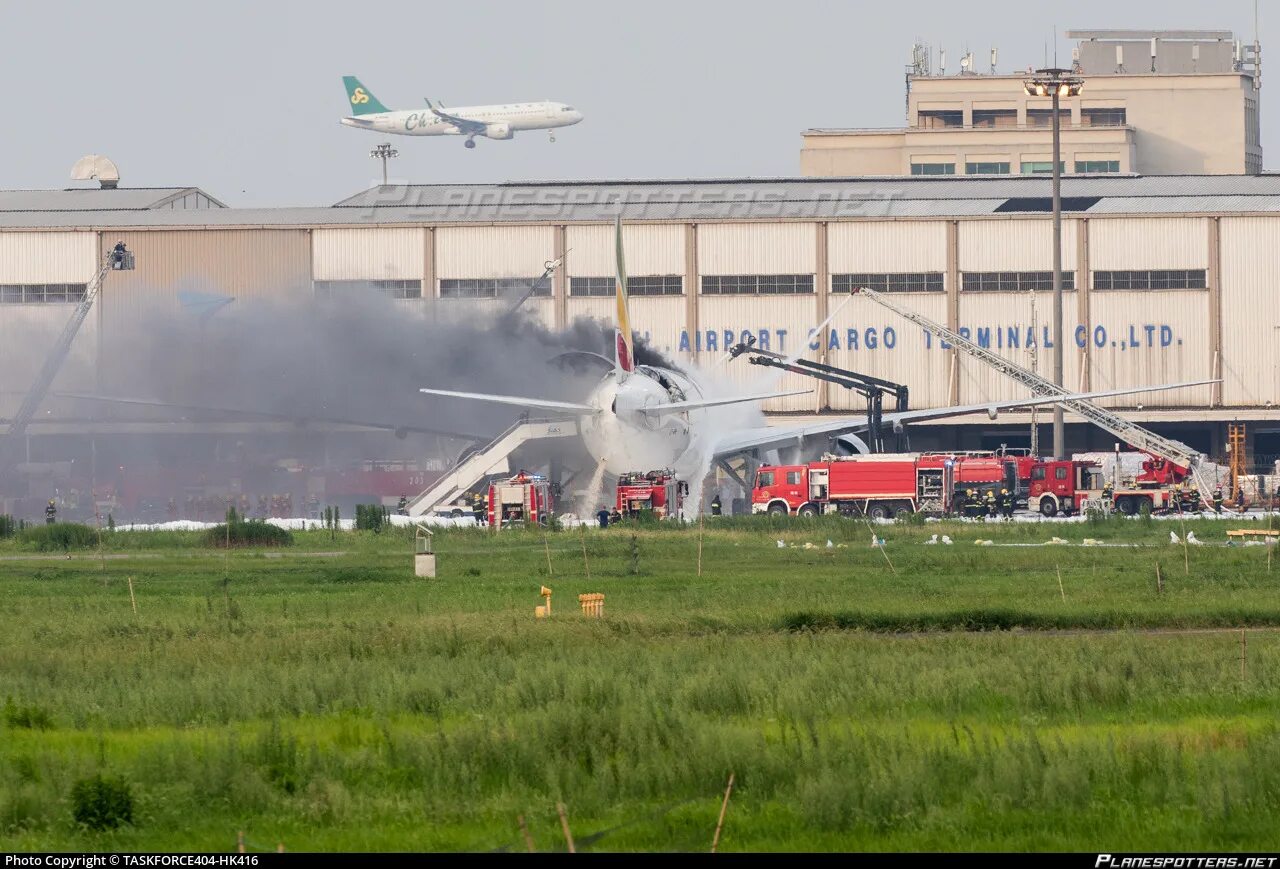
(1169, 278)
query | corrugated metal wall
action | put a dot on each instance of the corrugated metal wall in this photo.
(655, 249)
(757, 248)
(241, 263)
(999, 320)
(1250, 299)
(1148, 243)
(28, 331)
(1014, 245)
(875, 341)
(1152, 337)
(47, 257)
(779, 323)
(493, 251)
(895, 246)
(368, 254)
(659, 319)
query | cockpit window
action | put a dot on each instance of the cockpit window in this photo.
(567, 109)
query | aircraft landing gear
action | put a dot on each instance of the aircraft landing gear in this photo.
(470, 143)
(551, 136)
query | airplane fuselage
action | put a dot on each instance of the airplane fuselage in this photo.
(500, 121)
(625, 439)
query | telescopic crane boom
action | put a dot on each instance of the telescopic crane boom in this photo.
(113, 260)
(1128, 431)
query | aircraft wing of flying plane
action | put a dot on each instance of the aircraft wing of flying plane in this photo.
(464, 125)
(773, 437)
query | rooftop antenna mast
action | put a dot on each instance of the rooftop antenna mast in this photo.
(1257, 51)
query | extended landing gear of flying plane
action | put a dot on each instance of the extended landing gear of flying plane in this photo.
(470, 143)
(551, 136)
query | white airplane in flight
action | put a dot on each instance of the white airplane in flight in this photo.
(641, 417)
(492, 122)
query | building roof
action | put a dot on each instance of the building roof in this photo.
(100, 199)
(707, 200)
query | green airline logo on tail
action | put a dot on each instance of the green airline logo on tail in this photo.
(362, 101)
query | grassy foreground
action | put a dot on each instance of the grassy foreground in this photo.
(920, 697)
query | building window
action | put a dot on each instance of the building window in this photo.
(1012, 282)
(639, 285)
(1093, 166)
(934, 119)
(1041, 167)
(894, 282)
(986, 168)
(1152, 279)
(933, 168)
(400, 289)
(1044, 117)
(1103, 117)
(756, 285)
(995, 117)
(41, 294)
(489, 288)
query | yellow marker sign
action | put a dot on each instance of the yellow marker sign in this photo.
(358, 96)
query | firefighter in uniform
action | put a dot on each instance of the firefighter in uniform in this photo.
(989, 505)
(715, 505)
(50, 513)
(478, 508)
(1240, 498)
(402, 506)
(1217, 500)
(1004, 501)
(970, 505)
(602, 517)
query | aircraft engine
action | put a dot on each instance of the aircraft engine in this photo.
(992, 412)
(498, 131)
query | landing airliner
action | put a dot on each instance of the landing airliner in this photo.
(492, 122)
(642, 416)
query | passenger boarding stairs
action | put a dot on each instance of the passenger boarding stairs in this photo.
(491, 459)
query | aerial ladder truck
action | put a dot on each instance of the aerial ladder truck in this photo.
(1158, 446)
(117, 259)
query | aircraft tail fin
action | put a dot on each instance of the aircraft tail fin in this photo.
(362, 101)
(624, 359)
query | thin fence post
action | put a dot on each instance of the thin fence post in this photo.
(585, 564)
(524, 831)
(564, 825)
(702, 521)
(1159, 580)
(1061, 590)
(547, 545)
(240, 841)
(1244, 655)
(133, 601)
(724, 807)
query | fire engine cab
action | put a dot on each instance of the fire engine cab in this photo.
(1072, 486)
(521, 499)
(656, 491)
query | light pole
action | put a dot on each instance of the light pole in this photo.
(1056, 83)
(385, 152)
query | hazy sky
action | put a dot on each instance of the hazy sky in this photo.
(243, 99)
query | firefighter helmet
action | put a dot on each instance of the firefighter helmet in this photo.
(1004, 491)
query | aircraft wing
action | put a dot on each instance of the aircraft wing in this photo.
(464, 125)
(291, 417)
(772, 437)
(517, 400)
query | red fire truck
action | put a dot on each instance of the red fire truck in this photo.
(658, 491)
(880, 486)
(1072, 486)
(521, 499)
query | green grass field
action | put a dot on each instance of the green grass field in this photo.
(921, 697)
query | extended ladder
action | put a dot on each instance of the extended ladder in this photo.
(57, 356)
(489, 460)
(1128, 431)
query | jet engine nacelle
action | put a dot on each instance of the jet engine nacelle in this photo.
(992, 412)
(498, 131)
